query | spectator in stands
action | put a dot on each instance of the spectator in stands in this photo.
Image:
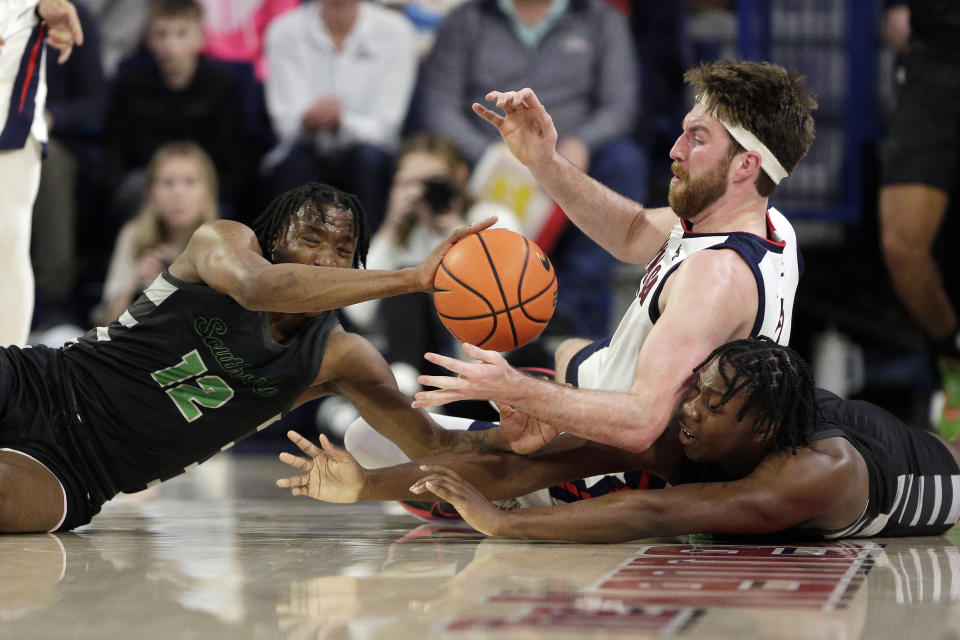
(427, 202)
(663, 54)
(234, 30)
(74, 116)
(234, 34)
(578, 56)
(341, 73)
(121, 29)
(181, 195)
(176, 96)
(921, 169)
(426, 16)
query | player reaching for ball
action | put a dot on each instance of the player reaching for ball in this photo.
(755, 449)
(238, 331)
(721, 264)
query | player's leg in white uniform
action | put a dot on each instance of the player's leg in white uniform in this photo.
(19, 179)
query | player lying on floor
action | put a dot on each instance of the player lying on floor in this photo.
(754, 449)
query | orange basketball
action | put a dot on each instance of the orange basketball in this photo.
(495, 289)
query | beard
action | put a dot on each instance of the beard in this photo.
(694, 195)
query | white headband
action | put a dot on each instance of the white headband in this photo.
(768, 162)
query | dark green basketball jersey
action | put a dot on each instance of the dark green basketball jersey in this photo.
(184, 373)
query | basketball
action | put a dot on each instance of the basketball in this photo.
(495, 289)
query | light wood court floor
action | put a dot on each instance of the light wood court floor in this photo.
(222, 553)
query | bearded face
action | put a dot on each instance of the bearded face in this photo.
(693, 195)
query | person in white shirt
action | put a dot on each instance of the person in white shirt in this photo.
(341, 74)
(24, 27)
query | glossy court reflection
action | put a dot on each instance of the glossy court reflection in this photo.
(220, 554)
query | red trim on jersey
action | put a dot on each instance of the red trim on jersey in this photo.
(770, 231)
(644, 480)
(31, 67)
(572, 488)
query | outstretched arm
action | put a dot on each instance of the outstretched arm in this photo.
(497, 474)
(353, 368)
(784, 491)
(226, 256)
(621, 226)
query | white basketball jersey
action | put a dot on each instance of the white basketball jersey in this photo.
(776, 265)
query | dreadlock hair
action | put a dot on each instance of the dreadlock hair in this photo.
(272, 223)
(779, 388)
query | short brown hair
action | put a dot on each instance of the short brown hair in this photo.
(438, 145)
(189, 9)
(765, 99)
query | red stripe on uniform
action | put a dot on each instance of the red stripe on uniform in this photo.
(575, 490)
(644, 480)
(31, 66)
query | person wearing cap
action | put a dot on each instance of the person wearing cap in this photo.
(721, 264)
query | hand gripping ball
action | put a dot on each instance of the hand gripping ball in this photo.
(495, 289)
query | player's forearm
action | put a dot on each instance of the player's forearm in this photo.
(382, 405)
(603, 214)
(296, 288)
(775, 499)
(391, 483)
(624, 420)
(496, 475)
(596, 520)
(418, 436)
(540, 408)
(486, 440)
(502, 474)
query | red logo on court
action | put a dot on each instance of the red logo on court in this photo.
(820, 577)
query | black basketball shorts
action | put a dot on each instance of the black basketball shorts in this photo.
(34, 419)
(923, 144)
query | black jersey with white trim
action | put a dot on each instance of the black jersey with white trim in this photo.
(914, 479)
(184, 373)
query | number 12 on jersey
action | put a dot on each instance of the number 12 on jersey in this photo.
(188, 390)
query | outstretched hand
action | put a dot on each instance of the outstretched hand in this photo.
(472, 505)
(524, 433)
(427, 270)
(525, 127)
(331, 474)
(490, 379)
